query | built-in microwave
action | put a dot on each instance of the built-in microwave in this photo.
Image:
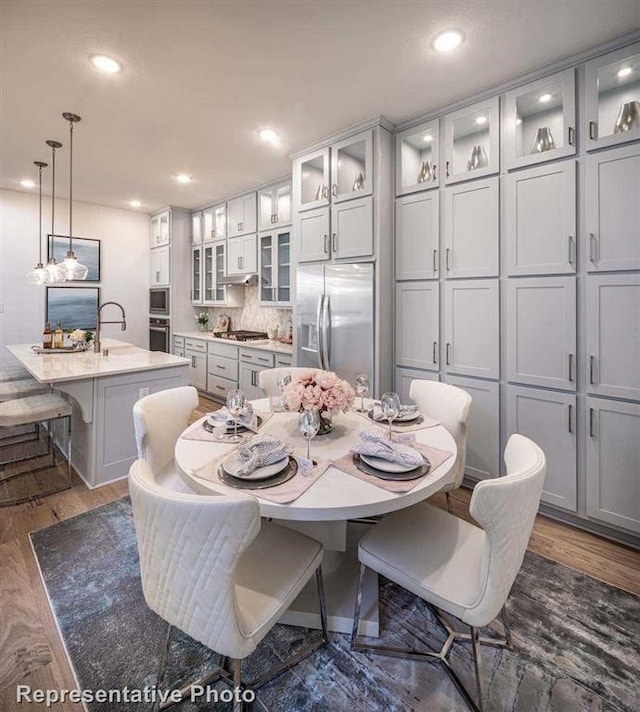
(159, 300)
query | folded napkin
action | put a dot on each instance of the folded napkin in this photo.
(404, 410)
(374, 444)
(260, 451)
(223, 416)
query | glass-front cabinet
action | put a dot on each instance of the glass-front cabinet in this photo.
(160, 230)
(472, 141)
(196, 275)
(214, 222)
(311, 180)
(275, 268)
(417, 158)
(540, 121)
(352, 167)
(214, 263)
(196, 227)
(612, 98)
(274, 205)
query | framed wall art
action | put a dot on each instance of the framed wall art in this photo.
(87, 251)
(73, 307)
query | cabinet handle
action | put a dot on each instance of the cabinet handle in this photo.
(214, 232)
(334, 189)
(221, 368)
(591, 369)
(435, 343)
(570, 368)
(240, 226)
(590, 422)
(593, 130)
(193, 362)
(571, 250)
(446, 258)
(446, 168)
(325, 192)
(446, 353)
(238, 263)
(435, 260)
(220, 388)
(326, 244)
(592, 244)
(571, 136)
(570, 418)
(157, 276)
(433, 172)
(334, 242)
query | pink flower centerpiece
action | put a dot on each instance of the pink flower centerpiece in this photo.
(322, 390)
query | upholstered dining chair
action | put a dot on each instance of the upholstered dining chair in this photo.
(455, 566)
(268, 379)
(450, 405)
(213, 569)
(159, 419)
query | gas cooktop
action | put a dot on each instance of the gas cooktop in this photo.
(241, 335)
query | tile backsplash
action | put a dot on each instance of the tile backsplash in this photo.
(252, 315)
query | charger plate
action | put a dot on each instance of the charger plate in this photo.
(400, 421)
(230, 428)
(283, 476)
(397, 476)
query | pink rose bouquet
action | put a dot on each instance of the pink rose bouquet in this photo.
(322, 390)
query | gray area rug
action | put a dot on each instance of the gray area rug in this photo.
(575, 638)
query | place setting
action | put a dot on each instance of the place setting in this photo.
(400, 418)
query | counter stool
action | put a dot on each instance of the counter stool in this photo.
(11, 370)
(35, 410)
(20, 388)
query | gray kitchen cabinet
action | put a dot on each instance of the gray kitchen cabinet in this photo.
(214, 222)
(282, 360)
(417, 236)
(483, 440)
(613, 335)
(160, 267)
(541, 331)
(405, 376)
(196, 276)
(352, 229)
(613, 209)
(222, 368)
(417, 325)
(352, 167)
(471, 235)
(196, 351)
(312, 235)
(196, 227)
(540, 218)
(248, 380)
(178, 346)
(213, 270)
(160, 229)
(274, 205)
(549, 419)
(242, 255)
(311, 180)
(417, 158)
(471, 328)
(242, 215)
(274, 287)
(613, 454)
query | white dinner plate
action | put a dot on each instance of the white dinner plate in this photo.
(404, 418)
(233, 463)
(380, 463)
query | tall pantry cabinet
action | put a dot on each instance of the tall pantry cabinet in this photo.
(521, 227)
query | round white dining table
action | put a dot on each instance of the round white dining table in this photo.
(327, 509)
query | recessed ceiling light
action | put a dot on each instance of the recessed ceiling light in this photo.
(183, 178)
(269, 135)
(427, 138)
(545, 98)
(27, 183)
(624, 72)
(105, 64)
(135, 203)
(481, 120)
(447, 41)
(518, 122)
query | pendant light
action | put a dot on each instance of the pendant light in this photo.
(39, 274)
(56, 271)
(74, 269)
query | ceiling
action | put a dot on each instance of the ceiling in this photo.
(201, 76)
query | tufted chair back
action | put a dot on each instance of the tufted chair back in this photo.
(268, 380)
(189, 547)
(159, 419)
(506, 508)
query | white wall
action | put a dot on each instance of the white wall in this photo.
(124, 269)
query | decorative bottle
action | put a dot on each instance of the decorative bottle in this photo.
(58, 338)
(47, 336)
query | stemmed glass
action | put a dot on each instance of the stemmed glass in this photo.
(308, 426)
(362, 388)
(283, 380)
(390, 404)
(235, 405)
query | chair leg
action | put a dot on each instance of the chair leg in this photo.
(507, 628)
(475, 644)
(448, 496)
(69, 450)
(356, 614)
(323, 605)
(237, 683)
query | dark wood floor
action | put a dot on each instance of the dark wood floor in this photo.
(30, 647)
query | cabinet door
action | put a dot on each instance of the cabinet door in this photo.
(352, 167)
(613, 454)
(241, 215)
(196, 228)
(404, 378)
(208, 275)
(471, 329)
(311, 180)
(196, 275)
(483, 438)
(267, 271)
(197, 370)
(417, 324)
(160, 267)
(541, 220)
(471, 229)
(242, 255)
(215, 222)
(352, 229)
(274, 206)
(549, 419)
(472, 142)
(417, 230)
(613, 335)
(417, 152)
(160, 229)
(541, 331)
(613, 209)
(312, 235)
(248, 381)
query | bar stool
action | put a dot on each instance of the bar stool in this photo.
(15, 388)
(11, 370)
(35, 410)
(21, 388)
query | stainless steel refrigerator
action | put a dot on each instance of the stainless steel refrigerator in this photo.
(335, 318)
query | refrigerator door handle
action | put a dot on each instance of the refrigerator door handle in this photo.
(326, 332)
(319, 329)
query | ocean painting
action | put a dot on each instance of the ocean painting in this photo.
(87, 251)
(73, 307)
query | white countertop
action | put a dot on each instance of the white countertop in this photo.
(77, 366)
(262, 345)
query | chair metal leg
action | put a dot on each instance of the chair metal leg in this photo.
(356, 614)
(475, 644)
(323, 604)
(448, 496)
(507, 630)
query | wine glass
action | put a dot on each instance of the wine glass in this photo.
(308, 426)
(390, 404)
(362, 387)
(235, 405)
(283, 380)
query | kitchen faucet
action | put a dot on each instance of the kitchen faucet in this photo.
(122, 322)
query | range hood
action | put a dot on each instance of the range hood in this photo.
(243, 280)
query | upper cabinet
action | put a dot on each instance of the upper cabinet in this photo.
(274, 205)
(160, 267)
(417, 236)
(214, 222)
(311, 180)
(196, 227)
(612, 98)
(241, 215)
(160, 229)
(540, 121)
(275, 268)
(472, 141)
(417, 152)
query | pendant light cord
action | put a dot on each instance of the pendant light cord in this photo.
(53, 193)
(40, 218)
(70, 186)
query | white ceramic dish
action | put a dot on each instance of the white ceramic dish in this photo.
(233, 463)
(380, 463)
(405, 418)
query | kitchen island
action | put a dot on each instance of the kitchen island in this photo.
(102, 389)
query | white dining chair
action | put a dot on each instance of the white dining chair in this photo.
(268, 379)
(458, 567)
(213, 569)
(159, 419)
(450, 405)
